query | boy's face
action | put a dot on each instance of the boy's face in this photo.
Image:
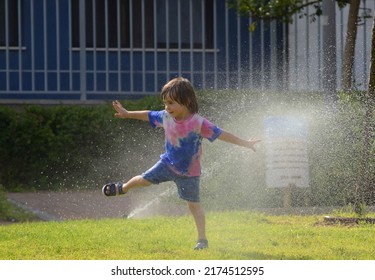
(176, 110)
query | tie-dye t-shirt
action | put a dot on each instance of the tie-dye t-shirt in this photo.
(183, 140)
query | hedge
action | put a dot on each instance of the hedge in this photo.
(72, 147)
(42, 147)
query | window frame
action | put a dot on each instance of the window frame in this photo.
(137, 28)
(10, 38)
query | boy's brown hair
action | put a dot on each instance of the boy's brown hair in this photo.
(181, 91)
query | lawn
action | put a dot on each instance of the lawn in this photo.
(232, 236)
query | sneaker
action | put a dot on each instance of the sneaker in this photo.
(201, 244)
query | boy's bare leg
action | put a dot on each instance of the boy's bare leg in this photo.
(136, 181)
(198, 213)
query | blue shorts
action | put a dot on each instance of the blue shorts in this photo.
(188, 187)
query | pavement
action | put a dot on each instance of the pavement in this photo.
(140, 203)
(92, 204)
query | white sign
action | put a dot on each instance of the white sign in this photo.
(286, 152)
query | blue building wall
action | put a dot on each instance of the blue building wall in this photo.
(45, 66)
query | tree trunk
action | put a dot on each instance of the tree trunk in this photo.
(329, 54)
(368, 177)
(351, 35)
(371, 86)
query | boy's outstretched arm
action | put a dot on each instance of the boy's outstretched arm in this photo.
(121, 112)
(233, 139)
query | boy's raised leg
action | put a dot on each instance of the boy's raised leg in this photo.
(136, 181)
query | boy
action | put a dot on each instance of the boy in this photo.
(184, 131)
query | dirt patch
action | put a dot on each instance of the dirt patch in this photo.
(347, 220)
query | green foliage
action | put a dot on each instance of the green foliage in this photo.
(72, 147)
(232, 235)
(234, 178)
(41, 137)
(145, 103)
(354, 211)
(43, 147)
(283, 11)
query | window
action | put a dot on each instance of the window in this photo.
(9, 25)
(137, 28)
(193, 17)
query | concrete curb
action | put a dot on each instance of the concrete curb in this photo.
(40, 214)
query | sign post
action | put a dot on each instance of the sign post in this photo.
(286, 154)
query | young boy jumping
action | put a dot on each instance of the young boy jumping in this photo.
(181, 162)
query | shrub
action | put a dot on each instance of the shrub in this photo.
(59, 146)
(66, 147)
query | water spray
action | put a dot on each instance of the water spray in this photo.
(140, 209)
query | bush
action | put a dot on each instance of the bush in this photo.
(60, 146)
(70, 147)
(235, 178)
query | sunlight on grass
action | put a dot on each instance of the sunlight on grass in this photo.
(232, 235)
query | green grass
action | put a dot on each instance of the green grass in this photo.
(232, 235)
(12, 213)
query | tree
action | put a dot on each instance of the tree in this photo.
(351, 35)
(367, 170)
(284, 11)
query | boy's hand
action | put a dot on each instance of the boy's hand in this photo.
(121, 112)
(252, 142)
(233, 139)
